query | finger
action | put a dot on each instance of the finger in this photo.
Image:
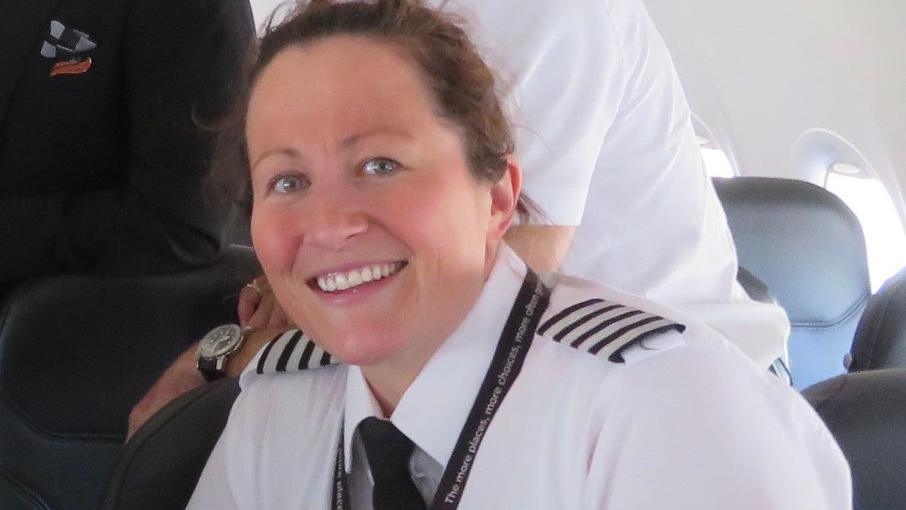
(262, 284)
(134, 421)
(140, 414)
(249, 299)
(262, 313)
(179, 378)
(278, 317)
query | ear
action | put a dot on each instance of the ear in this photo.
(504, 199)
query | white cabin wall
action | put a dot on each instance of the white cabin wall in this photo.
(760, 74)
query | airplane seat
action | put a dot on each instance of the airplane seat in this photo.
(160, 466)
(880, 340)
(865, 412)
(808, 248)
(76, 353)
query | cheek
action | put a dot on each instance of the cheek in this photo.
(451, 223)
(274, 240)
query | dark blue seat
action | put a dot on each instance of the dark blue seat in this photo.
(807, 247)
(880, 340)
(866, 411)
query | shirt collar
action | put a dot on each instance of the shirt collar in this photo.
(360, 404)
(436, 405)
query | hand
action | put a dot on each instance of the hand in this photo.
(258, 308)
(542, 247)
(181, 377)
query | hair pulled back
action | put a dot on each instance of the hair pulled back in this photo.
(461, 84)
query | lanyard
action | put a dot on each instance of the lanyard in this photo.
(505, 366)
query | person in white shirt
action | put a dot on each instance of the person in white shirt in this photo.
(446, 374)
(605, 138)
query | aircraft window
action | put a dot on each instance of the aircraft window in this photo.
(884, 236)
(716, 162)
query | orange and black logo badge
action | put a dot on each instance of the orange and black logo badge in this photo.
(69, 47)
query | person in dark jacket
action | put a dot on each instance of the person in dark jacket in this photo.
(103, 146)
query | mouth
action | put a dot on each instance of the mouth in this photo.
(335, 282)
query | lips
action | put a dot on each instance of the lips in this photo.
(345, 280)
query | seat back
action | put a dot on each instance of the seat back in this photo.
(808, 248)
(865, 412)
(880, 340)
(76, 353)
(159, 467)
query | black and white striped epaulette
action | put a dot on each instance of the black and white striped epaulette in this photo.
(603, 328)
(292, 351)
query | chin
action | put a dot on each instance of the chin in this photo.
(372, 350)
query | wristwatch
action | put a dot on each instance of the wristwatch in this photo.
(214, 349)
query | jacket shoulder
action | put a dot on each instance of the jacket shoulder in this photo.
(606, 323)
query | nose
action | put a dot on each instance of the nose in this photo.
(335, 219)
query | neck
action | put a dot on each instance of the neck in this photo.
(388, 385)
(391, 377)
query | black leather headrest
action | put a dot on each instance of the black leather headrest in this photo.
(880, 340)
(76, 353)
(866, 412)
(65, 342)
(803, 242)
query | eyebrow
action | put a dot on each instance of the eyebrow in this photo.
(346, 143)
(383, 130)
(293, 153)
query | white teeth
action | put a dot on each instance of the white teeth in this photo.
(356, 277)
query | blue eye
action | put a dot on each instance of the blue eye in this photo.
(379, 166)
(286, 184)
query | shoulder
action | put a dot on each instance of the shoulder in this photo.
(615, 326)
(289, 351)
(291, 366)
(598, 342)
(715, 402)
(660, 395)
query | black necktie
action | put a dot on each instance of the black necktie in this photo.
(388, 452)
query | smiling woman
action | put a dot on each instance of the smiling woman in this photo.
(435, 367)
(372, 179)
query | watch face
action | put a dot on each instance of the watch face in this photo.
(220, 341)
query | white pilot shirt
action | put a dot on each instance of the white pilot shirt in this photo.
(605, 139)
(686, 422)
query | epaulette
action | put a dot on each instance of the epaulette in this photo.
(292, 351)
(603, 328)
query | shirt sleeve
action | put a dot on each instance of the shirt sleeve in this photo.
(701, 428)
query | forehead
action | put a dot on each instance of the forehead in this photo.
(338, 83)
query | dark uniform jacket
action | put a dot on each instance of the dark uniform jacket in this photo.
(102, 162)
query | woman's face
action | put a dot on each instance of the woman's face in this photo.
(375, 237)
